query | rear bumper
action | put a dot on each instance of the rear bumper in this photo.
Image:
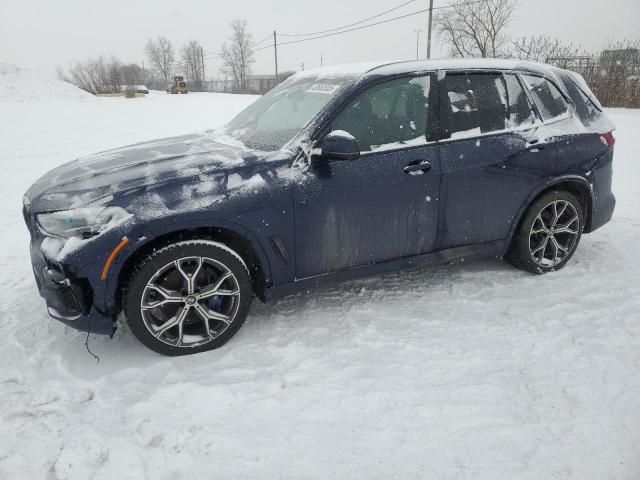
(602, 212)
(69, 299)
(604, 201)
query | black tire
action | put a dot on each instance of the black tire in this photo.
(144, 290)
(538, 233)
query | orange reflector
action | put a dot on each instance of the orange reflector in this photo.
(113, 255)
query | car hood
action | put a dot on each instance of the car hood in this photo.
(86, 180)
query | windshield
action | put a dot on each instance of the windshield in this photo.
(276, 117)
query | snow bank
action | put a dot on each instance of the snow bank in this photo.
(23, 85)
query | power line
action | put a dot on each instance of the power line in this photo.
(418, 12)
(215, 55)
(262, 41)
(346, 31)
(349, 25)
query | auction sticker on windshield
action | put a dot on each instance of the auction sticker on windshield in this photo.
(326, 88)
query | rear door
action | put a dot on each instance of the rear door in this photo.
(384, 205)
(494, 151)
(576, 145)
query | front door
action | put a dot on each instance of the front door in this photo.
(382, 206)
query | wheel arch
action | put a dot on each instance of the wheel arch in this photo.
(576, 185)
(234, 236)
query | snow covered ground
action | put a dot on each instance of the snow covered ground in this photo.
(469, 371)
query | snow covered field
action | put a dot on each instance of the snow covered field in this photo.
(468, 371)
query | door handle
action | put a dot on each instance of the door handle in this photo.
(536, 147)
(418, 167)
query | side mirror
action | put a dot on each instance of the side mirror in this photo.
(339, 145)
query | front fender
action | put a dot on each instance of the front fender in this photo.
(141, 237)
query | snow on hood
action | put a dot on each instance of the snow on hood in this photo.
(86, 180)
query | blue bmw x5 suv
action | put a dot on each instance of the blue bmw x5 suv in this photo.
(334, 174)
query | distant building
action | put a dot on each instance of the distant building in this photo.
(573, 62)
(623, 56)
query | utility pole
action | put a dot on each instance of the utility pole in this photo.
(429, 29)
(275, 51)
(321, 59)
(202, 59)
(417, 43)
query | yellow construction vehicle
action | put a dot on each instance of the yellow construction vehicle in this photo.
(178, 86)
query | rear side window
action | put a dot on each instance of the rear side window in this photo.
(548, 98)
(481, 103)
(388, 115)
(474, 104)
(520, 112)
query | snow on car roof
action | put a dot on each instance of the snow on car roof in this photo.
(398, 67)
(459, 64)
(345, 70)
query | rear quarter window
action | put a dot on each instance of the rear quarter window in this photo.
(587, 111)
(547, 97)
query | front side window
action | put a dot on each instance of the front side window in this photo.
(547, 97)
(388, 115)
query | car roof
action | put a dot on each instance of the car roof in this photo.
(399, 67)
(394, 68)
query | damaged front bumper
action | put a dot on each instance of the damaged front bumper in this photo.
(69, 297)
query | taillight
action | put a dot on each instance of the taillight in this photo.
(608, 140)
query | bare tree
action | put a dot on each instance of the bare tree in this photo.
(191, 56)
(95, 75)
(132, 75)
(475, 28)
(161, 55)
(237, 55)
(541, 48)
(614, 76)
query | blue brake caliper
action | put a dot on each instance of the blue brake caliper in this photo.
(215, 302)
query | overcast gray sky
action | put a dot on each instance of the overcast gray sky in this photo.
(45, 33)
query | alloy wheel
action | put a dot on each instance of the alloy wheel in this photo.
(190, 301)
(554, 233)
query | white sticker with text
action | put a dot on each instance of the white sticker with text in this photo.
(326, 88)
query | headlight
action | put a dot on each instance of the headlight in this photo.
(81, 222)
